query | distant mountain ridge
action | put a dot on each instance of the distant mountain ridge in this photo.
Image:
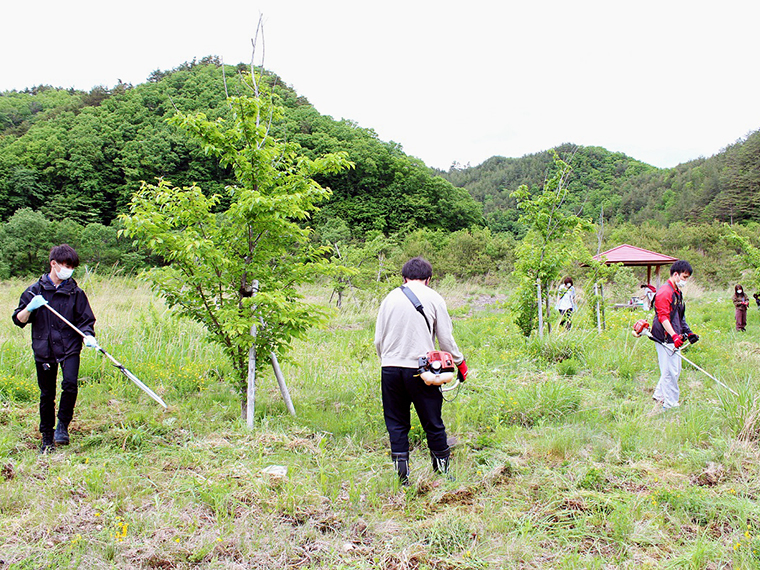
(86, 152)
(724, 187)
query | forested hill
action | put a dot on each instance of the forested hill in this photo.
(78, 155)
(81, 155)
(725, 187)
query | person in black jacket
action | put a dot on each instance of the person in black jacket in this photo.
(54, 342)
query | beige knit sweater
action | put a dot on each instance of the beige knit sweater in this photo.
(401, 335)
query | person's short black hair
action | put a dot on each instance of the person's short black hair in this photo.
(417, 268)
(681, 266)
(65, 255)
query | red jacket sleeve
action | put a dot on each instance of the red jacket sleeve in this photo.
(663, 303)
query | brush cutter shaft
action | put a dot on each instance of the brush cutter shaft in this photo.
(115, 362)
(646, 332)
(64, 319)
(708, 374)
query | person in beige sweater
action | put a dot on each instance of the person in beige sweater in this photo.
(403, 334)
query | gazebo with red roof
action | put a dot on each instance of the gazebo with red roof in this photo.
(632, 256)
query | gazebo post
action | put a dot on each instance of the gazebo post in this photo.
(657, 275)
(649, 274)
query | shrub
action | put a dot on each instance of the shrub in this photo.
(548, 401)
(555, 348)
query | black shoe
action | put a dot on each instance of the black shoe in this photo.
(62, 434)
(48, 445)
(401, 464)
(441, 462)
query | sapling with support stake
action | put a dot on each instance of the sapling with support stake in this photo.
(216, 248)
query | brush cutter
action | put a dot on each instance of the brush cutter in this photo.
(115, 362)
(641, 328)
(437, 368)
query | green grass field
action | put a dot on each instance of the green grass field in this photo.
(560, 461)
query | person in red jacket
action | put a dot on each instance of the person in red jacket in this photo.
(671, 330)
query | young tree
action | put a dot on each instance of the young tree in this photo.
(553, 238)
(236, 270)
(362, 266)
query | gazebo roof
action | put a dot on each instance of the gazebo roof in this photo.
(630, 255)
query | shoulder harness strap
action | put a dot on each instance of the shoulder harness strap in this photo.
(417, 305)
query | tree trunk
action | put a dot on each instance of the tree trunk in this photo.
(251, 391)
(540, 309)
(598, 310)
(250, 396)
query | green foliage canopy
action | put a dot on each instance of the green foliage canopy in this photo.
(237, 270)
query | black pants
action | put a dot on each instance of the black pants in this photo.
(47, 376)
(401, 389)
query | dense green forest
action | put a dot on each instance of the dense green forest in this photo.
(83, 155)
(724, 187)
(70, 161)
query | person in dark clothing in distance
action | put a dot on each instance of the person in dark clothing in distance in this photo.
(54, 343)
(741, 304)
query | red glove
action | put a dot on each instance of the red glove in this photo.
(462, 371)
(677, 340)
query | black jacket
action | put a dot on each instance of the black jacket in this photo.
(669, 305)
(52, 339)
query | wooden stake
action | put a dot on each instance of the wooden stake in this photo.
(281, 382)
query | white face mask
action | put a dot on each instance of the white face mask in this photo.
(739, 291)
(681, 283)
(64, 273)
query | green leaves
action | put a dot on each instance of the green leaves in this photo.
(553, 238)
(240, 267)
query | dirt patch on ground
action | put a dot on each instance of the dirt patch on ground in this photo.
(486, 302)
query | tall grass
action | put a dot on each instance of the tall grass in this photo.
(559, 460)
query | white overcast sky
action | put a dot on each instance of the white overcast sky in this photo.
(664, 81)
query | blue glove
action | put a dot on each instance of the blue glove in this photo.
(36, 302)
(90, 342)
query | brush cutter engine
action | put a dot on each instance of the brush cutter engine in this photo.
(437, 368)
(640, 327)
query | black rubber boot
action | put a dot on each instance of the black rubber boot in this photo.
(61, 434)
(401, 464)
(441, 462)
(48, 445)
